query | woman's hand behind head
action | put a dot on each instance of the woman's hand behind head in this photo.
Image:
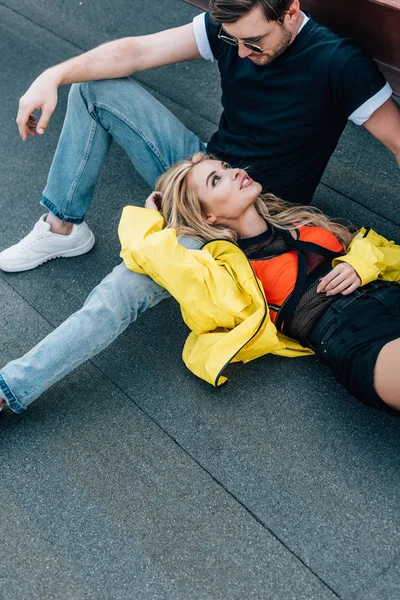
(154, 201)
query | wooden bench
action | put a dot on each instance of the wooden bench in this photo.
(374, 24)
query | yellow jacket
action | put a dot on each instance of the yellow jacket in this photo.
(221, 300)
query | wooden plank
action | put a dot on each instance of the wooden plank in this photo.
(374, 24)
(204, 4)
(389, 3)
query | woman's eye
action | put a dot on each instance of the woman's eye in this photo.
(216, 178)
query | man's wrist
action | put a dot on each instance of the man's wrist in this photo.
(55, 74)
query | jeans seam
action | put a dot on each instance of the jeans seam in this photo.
(133, 127)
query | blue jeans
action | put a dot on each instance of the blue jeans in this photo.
(97, 112)
(115, 303)
(154, 140)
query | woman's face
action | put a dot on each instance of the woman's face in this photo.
(225, 193)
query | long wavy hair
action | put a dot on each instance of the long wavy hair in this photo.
(183, 210)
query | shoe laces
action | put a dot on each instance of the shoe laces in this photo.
(33, 236)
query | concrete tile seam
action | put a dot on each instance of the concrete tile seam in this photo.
(189, 455)
(378, 214)
(22, 16)
(238, 501)
(219, 483)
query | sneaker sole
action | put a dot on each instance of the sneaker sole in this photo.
(86, 247)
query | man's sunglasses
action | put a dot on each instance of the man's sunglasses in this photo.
(234, 42)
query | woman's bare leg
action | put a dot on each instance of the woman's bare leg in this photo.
(387, 374)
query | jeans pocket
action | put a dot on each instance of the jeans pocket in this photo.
(327, 338)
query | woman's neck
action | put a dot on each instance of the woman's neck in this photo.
(249, 224)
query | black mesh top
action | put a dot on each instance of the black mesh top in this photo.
(310, 305)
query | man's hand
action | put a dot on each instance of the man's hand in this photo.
(119, 58)
(343, 279)
(43, 96)
(154, 201)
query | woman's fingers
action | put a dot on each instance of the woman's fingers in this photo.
(343, 279)
(154, 201)
(351, 288)
(326, 281)
(341, 287)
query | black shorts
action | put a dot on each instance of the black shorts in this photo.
(352, 332)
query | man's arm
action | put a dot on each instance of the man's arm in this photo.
(384, 124)
(119, 58)
(126, 56)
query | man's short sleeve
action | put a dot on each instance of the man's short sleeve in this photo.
(201, 36)
(358, 85)
(206, 35)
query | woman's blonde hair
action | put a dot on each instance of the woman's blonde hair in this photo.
(183, 210)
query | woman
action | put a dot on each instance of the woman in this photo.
(355, 330)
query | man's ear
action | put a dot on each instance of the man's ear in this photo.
(294, 9)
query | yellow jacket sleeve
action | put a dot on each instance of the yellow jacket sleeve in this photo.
(373, 257)
(207, 293)
(134, 227)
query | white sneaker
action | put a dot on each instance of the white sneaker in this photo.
(41, 245)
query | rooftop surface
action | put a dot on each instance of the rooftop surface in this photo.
(132, 479)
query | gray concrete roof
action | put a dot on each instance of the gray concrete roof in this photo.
(126, 482)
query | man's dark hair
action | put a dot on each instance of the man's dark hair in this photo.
(230, 11)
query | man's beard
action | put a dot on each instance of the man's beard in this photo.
(265, 59)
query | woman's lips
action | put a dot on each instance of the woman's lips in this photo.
(246, 181)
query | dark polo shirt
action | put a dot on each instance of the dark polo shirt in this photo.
(282, 121)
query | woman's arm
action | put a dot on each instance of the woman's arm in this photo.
(343, 279)
(371, 256)
(135, 226)
(208, 294)
(347, 239)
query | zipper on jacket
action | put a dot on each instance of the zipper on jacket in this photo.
(367, 230)
(264, 316)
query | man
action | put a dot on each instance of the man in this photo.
(289, 86)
